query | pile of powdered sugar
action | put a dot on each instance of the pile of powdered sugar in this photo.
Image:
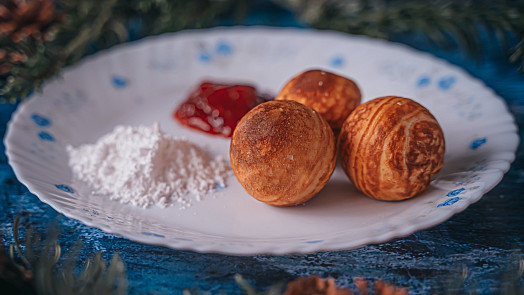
(144, 166)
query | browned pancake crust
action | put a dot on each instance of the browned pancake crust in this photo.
(282, 152)
(333, 96)
(390, 148)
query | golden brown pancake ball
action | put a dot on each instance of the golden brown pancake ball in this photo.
(282, 152)
(333, 96)
(391, 147)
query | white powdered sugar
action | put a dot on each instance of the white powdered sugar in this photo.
(144, 166)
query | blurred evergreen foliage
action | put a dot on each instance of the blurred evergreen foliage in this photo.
(39, 37)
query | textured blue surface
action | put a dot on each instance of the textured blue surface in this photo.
(480, 238)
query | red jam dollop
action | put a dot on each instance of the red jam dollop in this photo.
(216, 108)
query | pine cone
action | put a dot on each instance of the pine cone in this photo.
(314, 285)
(5, 66)
(8, 59)
(20, 19)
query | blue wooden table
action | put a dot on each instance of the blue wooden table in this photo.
(480, 238)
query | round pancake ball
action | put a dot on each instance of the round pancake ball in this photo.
(391, 147)
(282, 152)
(333, 96)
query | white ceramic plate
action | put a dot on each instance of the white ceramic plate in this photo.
(143, 82)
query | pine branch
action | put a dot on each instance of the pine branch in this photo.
(37, 267)
(46, 58)
(41, 271)
(445, 22)
(93, 25)
(98, 24)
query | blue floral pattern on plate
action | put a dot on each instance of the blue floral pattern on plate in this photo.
(66, 188)
(41, 120)
(475, 144)
(44, 135)
(446, 83)
(119, 81)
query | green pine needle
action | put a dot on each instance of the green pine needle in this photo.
(49, 274)
(444, 22)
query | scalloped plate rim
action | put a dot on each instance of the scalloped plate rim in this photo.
(302, 248)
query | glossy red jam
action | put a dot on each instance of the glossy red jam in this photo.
(217, 108)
